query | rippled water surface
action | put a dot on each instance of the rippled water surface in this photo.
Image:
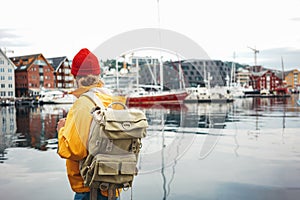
(248, 149)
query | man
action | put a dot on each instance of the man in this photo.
(73, 131)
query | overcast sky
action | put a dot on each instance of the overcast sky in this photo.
(221, 27)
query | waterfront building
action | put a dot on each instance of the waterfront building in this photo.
(243, 76)
(266, 80)
(209, 73)
(7, 78)
(32, 73)
(183, 73)
(292, 79)
(63, 79)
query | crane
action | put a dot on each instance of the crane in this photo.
(256, 51)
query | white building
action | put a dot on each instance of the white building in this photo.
(243, 77)
(7, 78)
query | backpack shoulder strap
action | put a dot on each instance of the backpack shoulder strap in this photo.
(93, 97)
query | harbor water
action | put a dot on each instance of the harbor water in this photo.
(247, 149)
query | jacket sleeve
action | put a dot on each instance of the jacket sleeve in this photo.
(72, 138)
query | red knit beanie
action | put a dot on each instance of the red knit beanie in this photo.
(85, 63)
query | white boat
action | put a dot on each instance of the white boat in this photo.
(56, 97)
(206, 95)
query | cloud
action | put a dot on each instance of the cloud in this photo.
(6, 33)
(290, 57)
(9, 39)
(295, 19)
(271, 58)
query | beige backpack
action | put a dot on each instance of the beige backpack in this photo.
(114, 144)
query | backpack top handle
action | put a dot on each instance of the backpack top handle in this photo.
(92, 96)
(117, 103)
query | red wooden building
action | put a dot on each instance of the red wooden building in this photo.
(32, 73)
(269, 80)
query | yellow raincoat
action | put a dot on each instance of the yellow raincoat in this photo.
(72, 138)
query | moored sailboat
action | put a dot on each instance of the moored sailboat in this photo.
(158, 97)
(156, 93)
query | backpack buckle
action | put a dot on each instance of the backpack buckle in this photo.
(126, 125)
(104, 186)
(126, 186)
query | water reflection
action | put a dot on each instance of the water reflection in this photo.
(194, 116)
(8, 129)
(35, 126)
(248, 141)
(29, 126)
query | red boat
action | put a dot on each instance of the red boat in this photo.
(158, 106)
(163, 98)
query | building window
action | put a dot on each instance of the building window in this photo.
(41, 70)
(1, 69)
(2, 85)
(185, 67)
(40, 62)
(10, 78)
(10, 70)
(2, 78)
(67, 71)
(66, 63)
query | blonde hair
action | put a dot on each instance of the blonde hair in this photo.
(88, 80)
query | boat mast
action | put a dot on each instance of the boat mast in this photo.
(137, 73)
(282, 70)
(150, 70)
(180, 74)
(161, 71)
(232, 75)
(117, 74)
(204, 73)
